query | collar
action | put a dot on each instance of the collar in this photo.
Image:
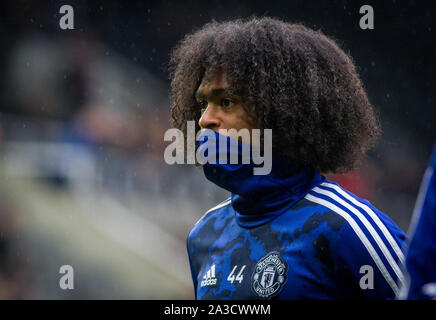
(258, 199)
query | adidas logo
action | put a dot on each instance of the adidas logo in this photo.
(209, 278)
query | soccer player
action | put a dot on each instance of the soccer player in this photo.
(421, 254)
(290, 234)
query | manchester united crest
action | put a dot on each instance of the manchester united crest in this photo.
(270, 275)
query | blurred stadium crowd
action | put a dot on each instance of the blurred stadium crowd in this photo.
(82, 176)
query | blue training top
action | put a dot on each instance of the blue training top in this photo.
(292, 234)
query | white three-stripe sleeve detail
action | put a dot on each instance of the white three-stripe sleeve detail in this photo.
(369, 227)
(361, 236)
(374, 217)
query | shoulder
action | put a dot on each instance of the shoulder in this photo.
(209, 215)
(361, 216)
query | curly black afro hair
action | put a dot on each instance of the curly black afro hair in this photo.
(298, 81)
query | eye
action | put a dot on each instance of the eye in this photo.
(227, 102)
(202, 104)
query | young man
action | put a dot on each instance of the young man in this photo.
(290, 234)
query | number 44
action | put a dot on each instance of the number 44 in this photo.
(239, 277)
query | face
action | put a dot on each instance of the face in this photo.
(221, 107)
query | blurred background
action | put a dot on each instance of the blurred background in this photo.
(83, 181)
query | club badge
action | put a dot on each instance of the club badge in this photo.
(270, 275)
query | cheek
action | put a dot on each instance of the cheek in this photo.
(239, 119)
(247, 121)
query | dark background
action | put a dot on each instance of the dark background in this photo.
(395, 60)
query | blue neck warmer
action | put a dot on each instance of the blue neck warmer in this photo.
(258, 199)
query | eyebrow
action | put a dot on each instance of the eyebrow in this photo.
(216, 92)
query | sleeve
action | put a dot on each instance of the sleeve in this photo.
(191, 266)
(366, 265)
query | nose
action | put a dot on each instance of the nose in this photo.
(210, 118)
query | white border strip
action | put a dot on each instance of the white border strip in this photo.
(220, 205)
(420, 201)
